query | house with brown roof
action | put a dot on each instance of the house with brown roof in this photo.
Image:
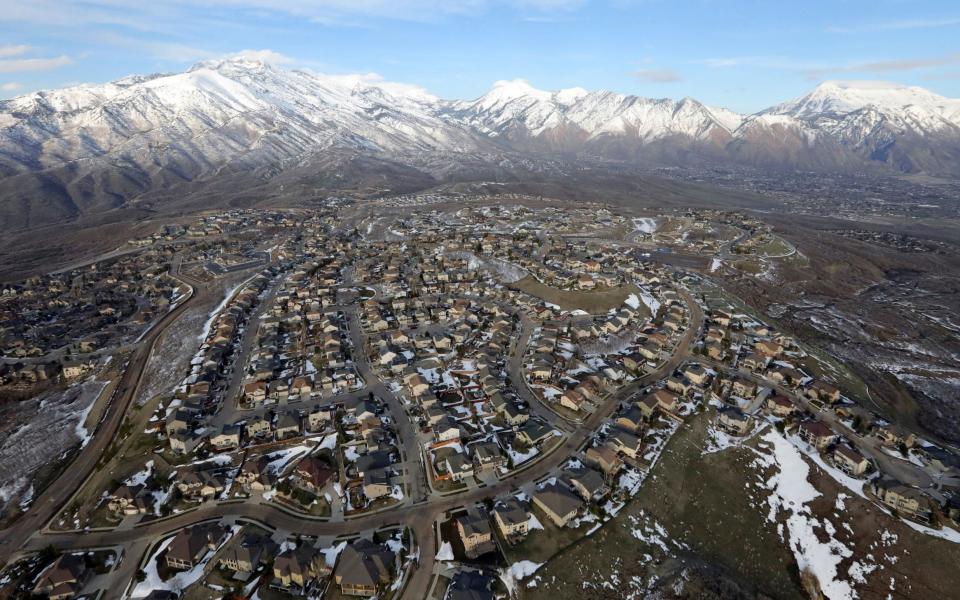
(63, 579)
(192, 544)
(849, 460)
(781, 406)
(312, 474)
(298, 568)
(558, 503)
(364, 568)
(817, 434)
(604, 458)
(823, 391)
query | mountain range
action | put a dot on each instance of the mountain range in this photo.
(231, 125)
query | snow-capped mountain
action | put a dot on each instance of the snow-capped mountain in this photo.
(88, 148)
(850, 124)
(219, 110)
(515, 110)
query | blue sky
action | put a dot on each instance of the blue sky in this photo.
(745, 55)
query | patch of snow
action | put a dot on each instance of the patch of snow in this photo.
(445, 552)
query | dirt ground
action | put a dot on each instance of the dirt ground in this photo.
(592, 301)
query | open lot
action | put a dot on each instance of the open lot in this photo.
(592, 301)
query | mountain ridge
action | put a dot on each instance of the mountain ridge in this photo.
(93, 147)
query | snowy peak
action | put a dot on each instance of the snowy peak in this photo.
(507, 91)
(516, 108)
(843, 97)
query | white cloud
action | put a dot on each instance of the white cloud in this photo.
(376, 80)
(657, 75)
(10, 86)
(172, 17)
(8, 51)
(33, 64)
(886, 66)
(896, 25)
(265, 55)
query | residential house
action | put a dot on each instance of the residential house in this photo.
(319, 418)
(625, 443)
(312, 474)
(475, 534)
(130, 500)
(733, 420)
(604, 458)
(246, 553)
(459, 466)
(298, 568)
(199, 485)
(512, 520)
(632, 420)
(781, 406)
(823, 391)
(817, 434)
(288, 426)
(588, 483)
(893, 436)
(905, 500)
(470, 585)
(487, 456)
(697, 374)
(849, 460)
(558, 503)
(63, 579)
(364, 568)
(190, 545)
(534, 431)
(228, 438)
(376, 484)
(258, 427)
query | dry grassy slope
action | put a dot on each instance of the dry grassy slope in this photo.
(713, 505)
(883, 293)
(703, 502)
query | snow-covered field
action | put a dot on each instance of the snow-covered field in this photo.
(645, 225)
(791, 494)
(57, 424)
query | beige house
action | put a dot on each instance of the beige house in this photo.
(297, 567)
(849, 460)
(604, 458)
(817, 434)
(475, 534)
(558, 503)
(732, 420)
(512, 520)
(364, 568)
